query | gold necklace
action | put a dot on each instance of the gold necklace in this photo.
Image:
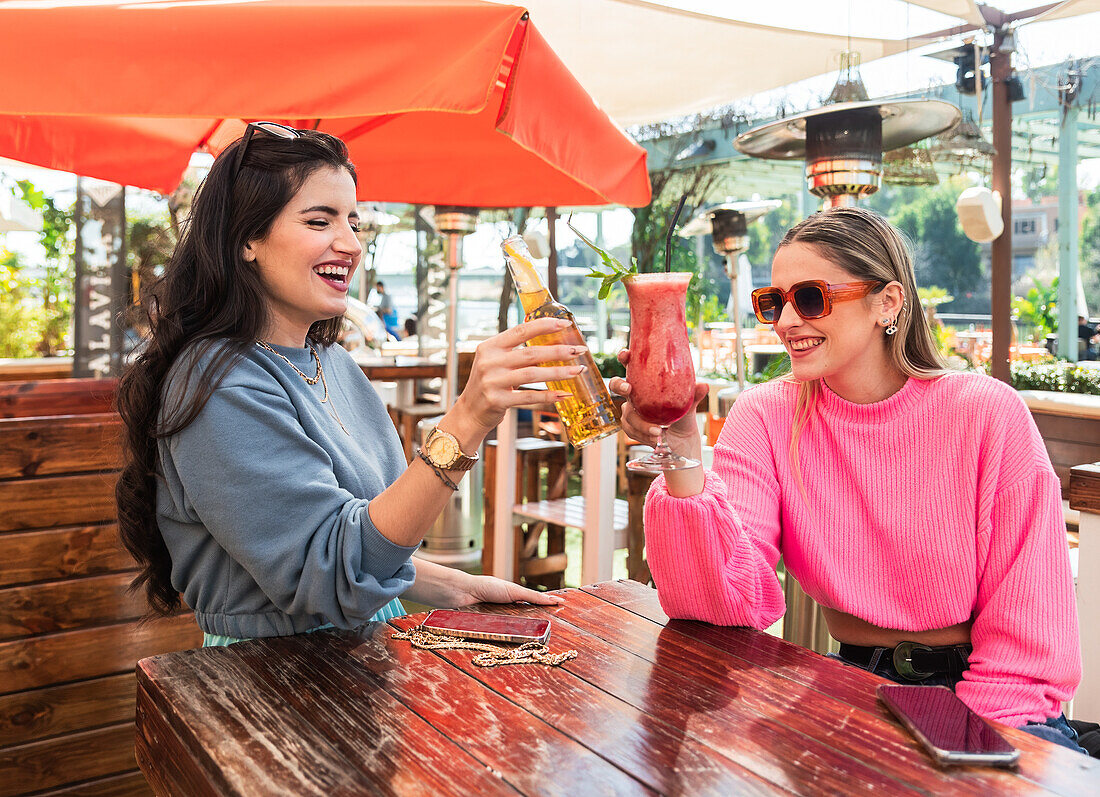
(310, 381)
(491, 655)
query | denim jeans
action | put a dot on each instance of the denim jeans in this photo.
(1055, 729)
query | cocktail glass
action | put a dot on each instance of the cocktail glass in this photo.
(660, 371)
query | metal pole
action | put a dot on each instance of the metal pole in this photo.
(454, 263)
(1000, 65)
(731, 269)
(1067, 235)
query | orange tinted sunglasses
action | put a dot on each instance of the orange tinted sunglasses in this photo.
(811, 298)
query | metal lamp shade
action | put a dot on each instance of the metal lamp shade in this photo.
(728, 224)
(838, 140)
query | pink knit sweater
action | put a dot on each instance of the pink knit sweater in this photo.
(936, 506)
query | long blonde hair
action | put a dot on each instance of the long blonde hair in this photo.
(868, 247)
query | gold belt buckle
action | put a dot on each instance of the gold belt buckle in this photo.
(903, 661)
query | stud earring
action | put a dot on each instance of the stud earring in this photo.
(885, 321)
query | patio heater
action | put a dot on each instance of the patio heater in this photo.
(842, 142)
(448, 541)
(454, 223)
(728, 226)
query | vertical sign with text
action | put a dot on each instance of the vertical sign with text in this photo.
(102, 279)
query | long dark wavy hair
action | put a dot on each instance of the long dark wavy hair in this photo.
(210, 298)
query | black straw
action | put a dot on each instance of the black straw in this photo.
(672, 229)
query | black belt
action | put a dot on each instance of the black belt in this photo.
(912, 661)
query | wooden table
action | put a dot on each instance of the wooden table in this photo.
(648, 706)
(404, 371)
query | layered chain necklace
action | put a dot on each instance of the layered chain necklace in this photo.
(320, 375)
(490, 655)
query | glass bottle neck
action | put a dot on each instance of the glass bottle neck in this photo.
(521, 267)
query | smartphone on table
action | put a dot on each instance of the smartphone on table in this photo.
(946, 727)
(493, 627)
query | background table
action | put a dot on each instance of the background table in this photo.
(648, 706)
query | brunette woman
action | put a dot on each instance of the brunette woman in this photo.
(265, 481)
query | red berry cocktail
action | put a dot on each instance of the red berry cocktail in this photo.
(660, 370)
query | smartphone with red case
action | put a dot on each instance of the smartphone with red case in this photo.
(493, 627)
(946, 727)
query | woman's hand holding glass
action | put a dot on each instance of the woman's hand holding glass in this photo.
(682, 436)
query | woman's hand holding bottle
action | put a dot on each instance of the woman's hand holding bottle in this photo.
(501, 365)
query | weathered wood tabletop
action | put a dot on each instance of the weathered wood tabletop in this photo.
(648, 706)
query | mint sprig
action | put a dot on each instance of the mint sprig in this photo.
(614, 270)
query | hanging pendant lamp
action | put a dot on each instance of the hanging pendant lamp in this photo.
(909, 166)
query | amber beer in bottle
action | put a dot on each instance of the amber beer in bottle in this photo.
(589, 413)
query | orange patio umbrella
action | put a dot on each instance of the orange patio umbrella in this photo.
(456, 102)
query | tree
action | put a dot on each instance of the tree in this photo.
(1089, 251)
(150, 241)
(942, 254)
(54, 290)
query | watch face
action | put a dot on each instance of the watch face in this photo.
(442, 449)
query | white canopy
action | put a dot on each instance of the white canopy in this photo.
(1070, 8)
(645, 62)
(963, 9)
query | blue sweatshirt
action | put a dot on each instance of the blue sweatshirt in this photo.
(263, 500)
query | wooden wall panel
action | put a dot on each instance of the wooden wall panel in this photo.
(55, 710)
(72, 603)
(90, 652)
(69, 636)
(56, 397)
(59, 553)
(130, 784)
(69, 444)
(56, 762)
(57, 501)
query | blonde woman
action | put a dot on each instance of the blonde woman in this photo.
(916, 505)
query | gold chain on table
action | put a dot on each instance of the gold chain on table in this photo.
(491, 655)
(319, 375)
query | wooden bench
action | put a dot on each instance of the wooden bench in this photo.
(69, 631)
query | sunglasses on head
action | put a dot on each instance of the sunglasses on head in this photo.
(811, 299)
(271, 128)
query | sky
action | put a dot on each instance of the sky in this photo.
(1038, 44)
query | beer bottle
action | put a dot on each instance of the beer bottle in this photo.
(588, 413)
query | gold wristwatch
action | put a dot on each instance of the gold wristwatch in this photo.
(443, 451)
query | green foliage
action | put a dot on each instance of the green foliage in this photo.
(1089, 251)
(703, 309)
(54, 289)
(23, 319)
(1058, 375)
(615, 270)
(609, 365)
(1039, 308)
(942, 254)
(766, 233)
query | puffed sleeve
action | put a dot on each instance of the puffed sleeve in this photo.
(1027, 655)
(713, 555)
